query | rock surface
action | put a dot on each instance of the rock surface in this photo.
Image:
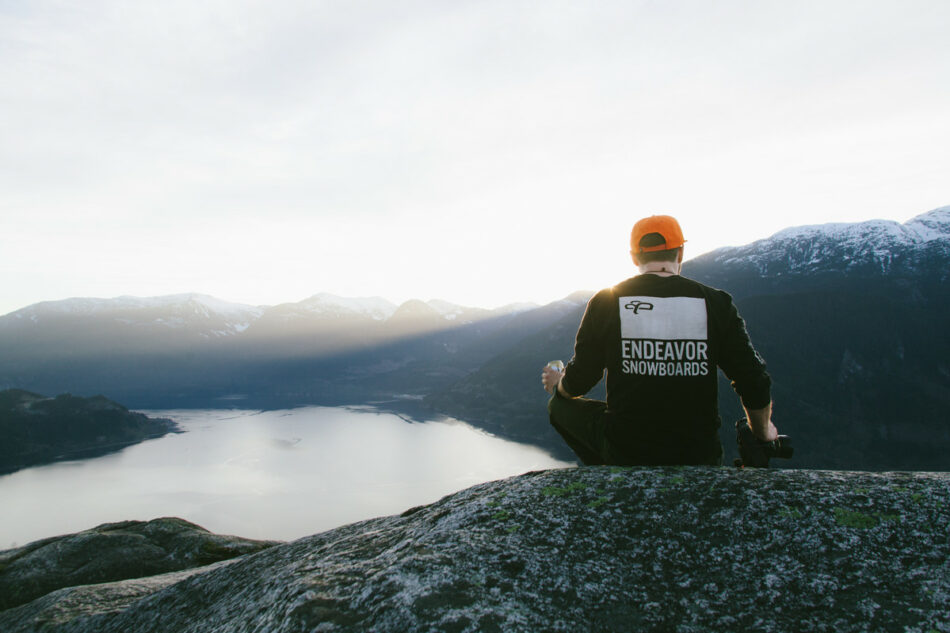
(111, 552)
(587, 549)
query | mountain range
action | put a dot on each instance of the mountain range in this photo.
(851, 319)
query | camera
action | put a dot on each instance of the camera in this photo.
(756, 453)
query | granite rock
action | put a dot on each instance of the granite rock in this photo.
(585, 549)
(111, 552)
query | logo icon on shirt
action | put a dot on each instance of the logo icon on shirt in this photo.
(636, 306)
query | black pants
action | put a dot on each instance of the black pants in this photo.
(580, 421)
(582, 424)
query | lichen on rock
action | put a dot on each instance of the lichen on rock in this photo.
(599, 549)
(112, 552)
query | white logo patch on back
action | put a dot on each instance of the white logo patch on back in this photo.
(663, 318)
(664, 337)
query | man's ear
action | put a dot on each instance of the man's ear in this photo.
(679, 258)
(633, 256)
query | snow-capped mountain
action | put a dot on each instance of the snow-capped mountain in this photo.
(216, 317)
(466, 314)
(515, 308)
(448, 310)
(870, 250)
(377, 308)
(204, 314)
(186, 302)
(876, 243)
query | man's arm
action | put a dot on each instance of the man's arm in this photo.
(746, 369)
(586, 367)
(563, 392)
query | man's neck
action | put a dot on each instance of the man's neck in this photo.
(661, 269)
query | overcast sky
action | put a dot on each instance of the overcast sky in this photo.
(479, 152)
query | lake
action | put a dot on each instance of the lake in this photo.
(263, 474)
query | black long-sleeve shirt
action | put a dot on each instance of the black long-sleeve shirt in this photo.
(660, 340)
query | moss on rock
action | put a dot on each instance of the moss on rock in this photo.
(692, 549)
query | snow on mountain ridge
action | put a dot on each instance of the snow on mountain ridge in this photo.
(516, 308)
(847, 245)
(211, 317)
(931, 225)
(205, 305)
(928, 226)
(377, 308)
(449, 311)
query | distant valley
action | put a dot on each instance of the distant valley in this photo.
(851, 319)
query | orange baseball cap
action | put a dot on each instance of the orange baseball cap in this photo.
(665, 225)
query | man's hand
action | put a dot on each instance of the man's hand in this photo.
(550, 378)
(760, 421)
(766, 434)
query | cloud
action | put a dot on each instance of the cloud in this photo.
(508, 126)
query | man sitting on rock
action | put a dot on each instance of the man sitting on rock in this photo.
(660, 338)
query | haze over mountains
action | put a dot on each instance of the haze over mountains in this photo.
(195, 350)
(851, 319)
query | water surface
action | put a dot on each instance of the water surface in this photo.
(273, 474)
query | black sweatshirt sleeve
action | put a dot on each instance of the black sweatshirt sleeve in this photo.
(587, 366)
(741, 363)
